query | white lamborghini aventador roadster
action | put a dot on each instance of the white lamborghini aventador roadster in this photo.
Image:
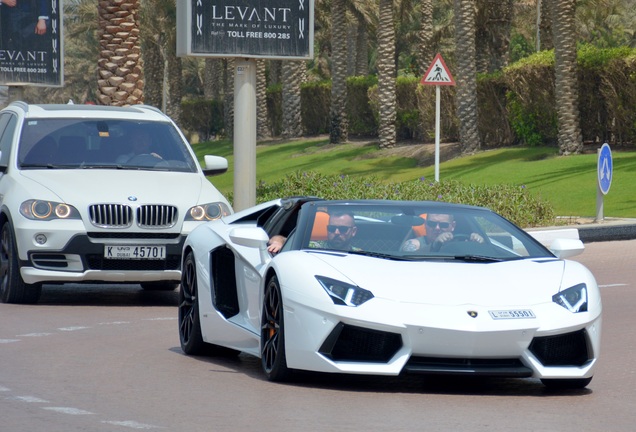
(389, 287)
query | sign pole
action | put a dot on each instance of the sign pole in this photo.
(437, 75)
(599, 204)
(437, 129)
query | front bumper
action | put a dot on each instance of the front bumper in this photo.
(82, 260)
(408, 338)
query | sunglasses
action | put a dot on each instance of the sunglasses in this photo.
(433, 224)
(343, 229)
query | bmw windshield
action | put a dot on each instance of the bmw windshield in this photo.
(93, 143)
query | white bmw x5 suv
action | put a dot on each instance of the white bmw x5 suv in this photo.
(97, 194)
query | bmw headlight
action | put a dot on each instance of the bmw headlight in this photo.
(573, 299)
(48, 210)
(208, 212)
(345, 294)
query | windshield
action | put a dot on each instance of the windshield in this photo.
(414, 231)
(105, 143)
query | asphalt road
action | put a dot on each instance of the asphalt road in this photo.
(108, 359)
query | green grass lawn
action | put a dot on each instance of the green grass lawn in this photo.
(567, 182)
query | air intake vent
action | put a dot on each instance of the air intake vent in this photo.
(569, 349)
(156, 216)
(110, 215)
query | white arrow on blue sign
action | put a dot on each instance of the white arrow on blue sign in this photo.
(605, 168)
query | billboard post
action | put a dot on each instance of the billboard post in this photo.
(247, 30)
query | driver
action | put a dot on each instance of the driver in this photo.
(439, 230)
(141, 141)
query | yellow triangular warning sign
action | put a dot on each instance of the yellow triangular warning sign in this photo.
(438, 73)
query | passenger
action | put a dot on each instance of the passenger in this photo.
(341, 230)
(439, 230)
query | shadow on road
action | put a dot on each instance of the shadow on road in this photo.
(424, 384)
(105, 295)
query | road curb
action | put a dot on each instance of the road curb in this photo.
(595, 233)
(610, 230)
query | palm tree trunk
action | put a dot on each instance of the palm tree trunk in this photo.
(566, 81)
(293, 77)
(386, 75)
(262, 116)
(425, 36)
(466, 76)
(338, 122)
(120, 69)
(228, 102)
(546, 40)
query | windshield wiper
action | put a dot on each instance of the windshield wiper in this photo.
(378, 255)
(474, 258)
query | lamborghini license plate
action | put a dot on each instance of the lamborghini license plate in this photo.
(512, 314)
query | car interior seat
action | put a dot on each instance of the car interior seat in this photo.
(319, 230)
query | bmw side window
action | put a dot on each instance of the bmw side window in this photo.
(7, 129)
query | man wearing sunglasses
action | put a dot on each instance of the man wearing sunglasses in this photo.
(439, 230)
(341, 229)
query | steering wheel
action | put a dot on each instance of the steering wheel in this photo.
(144, 159)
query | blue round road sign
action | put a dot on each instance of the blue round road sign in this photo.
(605, 168)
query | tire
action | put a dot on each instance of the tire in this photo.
(273, 359)
(190, 336)
(189, 321)
(12, 287)
(566, 384)
(159, 286)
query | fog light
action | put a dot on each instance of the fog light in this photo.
(40, 239)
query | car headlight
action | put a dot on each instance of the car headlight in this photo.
(573, 299)
(345, 294)
(208, 212)
(48, 210)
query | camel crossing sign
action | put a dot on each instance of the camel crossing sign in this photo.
(438, 74)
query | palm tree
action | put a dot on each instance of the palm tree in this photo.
(566, 83)
(425, 36)
(293, 76)
(163, 69)
(494, 24)
(262, 119)
(338, 122)
(466, 76)
(386, 75)
(545, 39)
(120, 69)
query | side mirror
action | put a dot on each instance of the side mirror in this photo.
(214, 165)
(252, 238)
(566, 248)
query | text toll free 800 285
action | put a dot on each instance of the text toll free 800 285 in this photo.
(257, 35)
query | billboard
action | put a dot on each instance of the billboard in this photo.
(31, 42)
(276, 29)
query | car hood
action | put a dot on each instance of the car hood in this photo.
(114, 186)
(526, 281)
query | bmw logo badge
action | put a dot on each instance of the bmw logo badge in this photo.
(132, 198)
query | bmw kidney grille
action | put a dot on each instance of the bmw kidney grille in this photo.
(121, 216)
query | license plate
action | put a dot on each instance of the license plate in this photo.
(135, 252)
(512, 314)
